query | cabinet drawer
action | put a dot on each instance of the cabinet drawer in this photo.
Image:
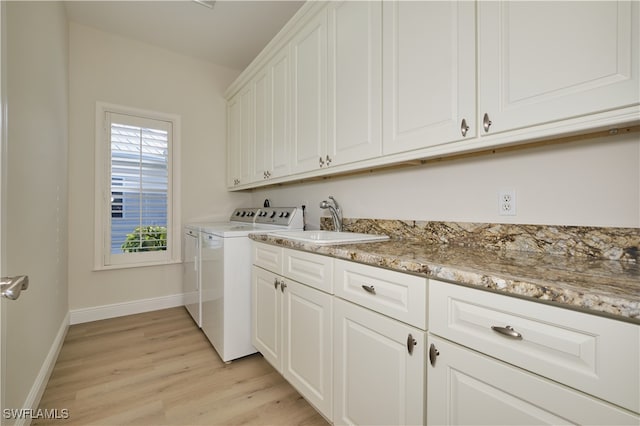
(267, 257)
(311, 269)
(596, 355)
(400, 296)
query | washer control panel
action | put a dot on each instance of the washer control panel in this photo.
(247, 215)
(286, 217)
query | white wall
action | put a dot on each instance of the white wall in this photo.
(109, 68)
(593, 182)
(36, 199)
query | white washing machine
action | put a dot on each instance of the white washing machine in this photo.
(220, 299)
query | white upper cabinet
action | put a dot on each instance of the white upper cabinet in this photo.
(240, 133)
(309, 94)
(541, 62)
(280, 69)
(354, 104)
(455, 77)
(271, 100)
(263, 140)
(429, 68)
(234, 155)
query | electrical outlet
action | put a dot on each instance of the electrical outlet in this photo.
(507, 203)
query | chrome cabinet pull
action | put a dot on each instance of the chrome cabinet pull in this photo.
(328, 160)
(275, 283)
(11, 287)
(321, 162)
(486, 122)
(369, 288)
(507, 331)
(464, 127)
(283, 285)
(433, 354)
(411, 343)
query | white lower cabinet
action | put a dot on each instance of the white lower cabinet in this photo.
(353, 340)
(308, 343)
(469, 388)
(379, 369)
(266, 327)
(292, 328)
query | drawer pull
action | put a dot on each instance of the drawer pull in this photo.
(411, 342)
(507, 331)
(369, 289)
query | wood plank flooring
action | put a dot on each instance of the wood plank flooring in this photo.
(158, 368)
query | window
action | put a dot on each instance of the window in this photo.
(137, 221)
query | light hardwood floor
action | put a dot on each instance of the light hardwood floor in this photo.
(158, 368)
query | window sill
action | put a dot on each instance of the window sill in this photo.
(135, 265)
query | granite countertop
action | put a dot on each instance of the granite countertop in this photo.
(608, 288)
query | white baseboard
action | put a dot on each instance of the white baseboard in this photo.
(95, 313)
(40, 383)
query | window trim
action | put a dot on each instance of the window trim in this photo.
(102, 204)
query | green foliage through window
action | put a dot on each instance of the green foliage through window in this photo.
(146, 238)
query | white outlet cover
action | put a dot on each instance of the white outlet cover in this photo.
(507, 203)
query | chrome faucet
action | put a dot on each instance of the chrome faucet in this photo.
(335, 211)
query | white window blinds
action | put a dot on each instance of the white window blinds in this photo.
(139, 187)
(139, 174)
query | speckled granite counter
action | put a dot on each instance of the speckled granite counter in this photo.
(600, 286)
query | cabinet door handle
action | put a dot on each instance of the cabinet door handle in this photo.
(321, 162)
(507, 331)
(328, 160)
(369, 288)
(283, 285)
(486, 122)
(411, 342)
(275, 283)
(433, 354)
(464, 127)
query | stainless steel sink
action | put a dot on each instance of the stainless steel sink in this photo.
(329, 237)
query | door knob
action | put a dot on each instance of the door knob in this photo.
(11, 287)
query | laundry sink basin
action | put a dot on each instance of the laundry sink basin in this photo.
(329, 237)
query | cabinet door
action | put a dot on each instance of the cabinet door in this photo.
(271, 144)
(376, 380)
(266, 327)
(429, 73)
(262, 143)
(354, 101)
(308, 344)
(240, 134)
(247, 133)
(234, 152)
(308, 97)
(278, 157)
(465, 387)
(542, 62)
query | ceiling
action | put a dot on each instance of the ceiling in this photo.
(231, 34)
